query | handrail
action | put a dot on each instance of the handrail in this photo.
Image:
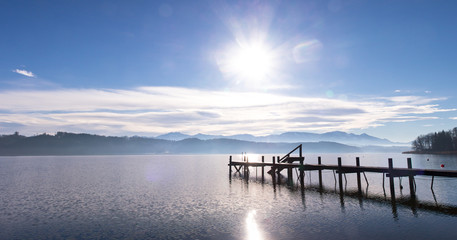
(288, 155)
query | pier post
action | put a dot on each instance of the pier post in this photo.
(359, 183)
(273, 171)
(320, 172)
(263, 169)
(244, 165)
(279, 172)
(391, 179)
(302, 175)
(392, 189)
(340, 175)
(246, 168)
(412, 191)
(230, 168)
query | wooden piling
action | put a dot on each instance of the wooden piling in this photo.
(289, 176)
(359, 182)
(340, 175)
(302, 174)
(391, 179)
(320, 172)
(244, 165)
(273, 171)
(263, 169)
(412, 190)
(246, 168)
(279, 172)
(230, 168)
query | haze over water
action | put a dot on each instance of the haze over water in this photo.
(191, 197)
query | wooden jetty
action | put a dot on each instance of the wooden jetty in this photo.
(289, 162)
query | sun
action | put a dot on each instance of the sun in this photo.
(251, 63)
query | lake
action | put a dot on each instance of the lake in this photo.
(192, 197)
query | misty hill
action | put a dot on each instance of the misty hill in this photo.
(86, 144)
(291, 137)
(78, 144)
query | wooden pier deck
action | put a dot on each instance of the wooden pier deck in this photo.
(288, 162)
(396, 172)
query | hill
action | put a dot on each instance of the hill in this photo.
(64, 143)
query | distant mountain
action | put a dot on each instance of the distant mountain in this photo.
(205, 136)
(85, 144)
(289, 137)
(175, 136)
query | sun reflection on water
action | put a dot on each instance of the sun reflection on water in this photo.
(253, 230)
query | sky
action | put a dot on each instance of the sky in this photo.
(145, 68)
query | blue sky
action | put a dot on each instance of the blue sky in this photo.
(386, 68)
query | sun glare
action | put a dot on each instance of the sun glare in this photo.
(252, 227)
(251, 64)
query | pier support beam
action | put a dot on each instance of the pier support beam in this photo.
(302, 175)
(290, 179)
(340, 181)
(246, 168)
(230, 168)
(279, 172)
(412, 190)
(391, 179)
(392, 189)
(273, 171)
(359, 182)
(320, 172)
(263, 169)
(340, 175)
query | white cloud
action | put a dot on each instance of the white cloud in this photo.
(24, 72)
(154, 110)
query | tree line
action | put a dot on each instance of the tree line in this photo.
(443, 141)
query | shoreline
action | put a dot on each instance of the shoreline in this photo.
(431, 152)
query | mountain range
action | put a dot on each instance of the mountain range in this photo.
(291, 137)
(63, 143)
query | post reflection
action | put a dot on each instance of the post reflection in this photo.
(253, 231)
(346, 195)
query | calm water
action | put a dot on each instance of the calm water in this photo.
(191, 197)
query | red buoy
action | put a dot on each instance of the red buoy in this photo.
(442, 165)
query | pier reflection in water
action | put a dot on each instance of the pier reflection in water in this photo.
(341, 189)
(405, 201)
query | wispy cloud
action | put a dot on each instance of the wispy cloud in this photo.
(154, 110)
(24, 72)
